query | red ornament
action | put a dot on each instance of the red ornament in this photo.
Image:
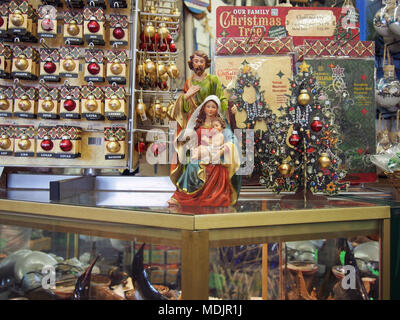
(47, 145)
(162, 47)
(118, 33)
(66, 145)
(334, 161)
(93, 26)
(49, 67)
(172, 47)
(316, 125)
(143, 46)
(273, 151)
(326, 126)
(140, 147)
(294, 139)
(69, 105)
(156, 38)
(169, 38)
(1, 21)
(318, 107)
(93, 68)
(293, 85)
(150, 47)
(47, 24)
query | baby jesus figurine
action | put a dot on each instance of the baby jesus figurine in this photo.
(211, 146)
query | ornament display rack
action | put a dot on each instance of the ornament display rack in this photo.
(160, 93)
(93, 154)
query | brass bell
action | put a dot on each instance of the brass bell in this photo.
(72, 28)
(21, 62)
(140, 107)
(303, 98)
(113, 145)
(149, 67)
(114, 103)
(69, 64)
(284, 168)
(161, 69)
(48, 104)
(116, 67)
(24, 143)
(91, 103)
(324, 161)
(24, 104)
(4, 104)
(17, 18)
(173, 71)
(5, 142)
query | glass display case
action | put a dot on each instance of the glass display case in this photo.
(268, 248)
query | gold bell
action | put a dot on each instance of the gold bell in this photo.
(48, 104)
(140, 107)
(116, 67)
(69, 64)
(17, 18)
(113, 145)
(5, 142)
(4, 104)
(324, 161)
(21, 62)
(114, 103)
(91, 103)
(24, 143)
(72, 28)
(24, 104)
(173, 71)
(149, 67)
(284, 168)
(304, 97)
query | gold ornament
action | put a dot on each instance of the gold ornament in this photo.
(21, 62)
(48, 104)
(17, 18)
(164, 77)
(173, 71)
(24, 143)
(116, 67)
(149, 30)
(140, 71)
(163, 31)
(113, 145)
(164, 111)
(24, 104)
(284, 168)
(69, 64)
(151, 112)
(5, 142)
(114, 103)
(161, 69)
(140, 107)
(157, 108)
(91, 103)
(149, 67)
(324, 161)
(4, 104)
(304, 97)
(73, 28)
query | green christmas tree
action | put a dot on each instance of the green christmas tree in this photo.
(301, 150)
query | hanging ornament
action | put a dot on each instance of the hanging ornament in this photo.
(48, 104)
(324, 161)
(149, 67)
(47, 23)
(69, 104)
(116, 67)
(93, 26)
(72, 28)
(17, 18)
(21, 63)
(4, 104)
(172, 46)
(284, 168)
(164, 111)
(141, 109)
(69, 64)
(161, 69)
(163, 31)
(66, 144)
(303, 98)
(388, 89)
(24, 143)
(113, 145)
(93, 67)
(173, 71)
(49, 66)
(294, 139)
(91, 103)
(162, 47)
(149, 30)
(5, 142)
(118, 32)
(24, 104)
(114, 103)
(46, 143)
(316, 124)
(157, 108)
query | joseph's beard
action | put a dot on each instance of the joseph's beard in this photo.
(198, 71)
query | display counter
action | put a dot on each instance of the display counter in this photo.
(196, 230)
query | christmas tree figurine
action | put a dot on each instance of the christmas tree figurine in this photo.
(301, 152)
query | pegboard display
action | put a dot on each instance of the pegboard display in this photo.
(66, 83)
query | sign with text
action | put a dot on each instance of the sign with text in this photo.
(277, 22)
